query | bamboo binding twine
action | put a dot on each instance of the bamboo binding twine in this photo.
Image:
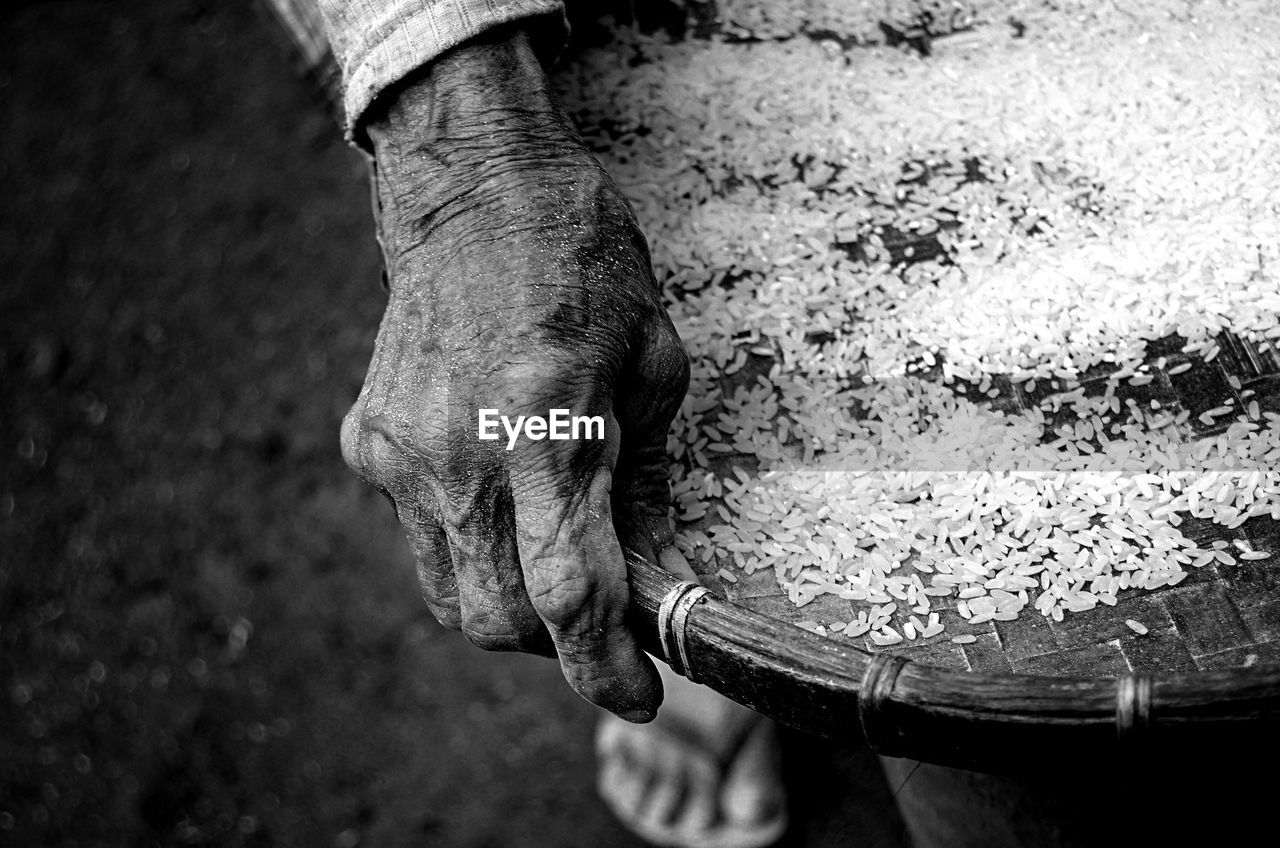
(673, 621)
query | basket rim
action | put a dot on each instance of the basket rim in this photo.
(990, 721)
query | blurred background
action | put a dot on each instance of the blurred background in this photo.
(210, 631)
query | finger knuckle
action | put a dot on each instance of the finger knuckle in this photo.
(369, 450)
(349, 438)
(570, 598)
(489, 641)
(499, 627)
(437, 585)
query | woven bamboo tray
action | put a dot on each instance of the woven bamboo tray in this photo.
(1205, 677)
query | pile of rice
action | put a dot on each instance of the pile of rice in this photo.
(1099, 194)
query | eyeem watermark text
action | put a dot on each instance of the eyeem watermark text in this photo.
(558, 426)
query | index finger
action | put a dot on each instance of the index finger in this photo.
(576, 579)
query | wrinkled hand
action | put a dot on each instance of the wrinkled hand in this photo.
(519, 282)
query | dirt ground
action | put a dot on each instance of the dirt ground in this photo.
(210, 630)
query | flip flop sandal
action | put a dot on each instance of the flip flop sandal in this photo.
(674, 786)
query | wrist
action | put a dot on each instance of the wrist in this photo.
(487, 98)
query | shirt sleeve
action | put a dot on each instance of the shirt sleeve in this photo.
(377, 43)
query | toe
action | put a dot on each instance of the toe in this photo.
(668, 787)
(622, 779)
(700, 811)
(752, 792)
